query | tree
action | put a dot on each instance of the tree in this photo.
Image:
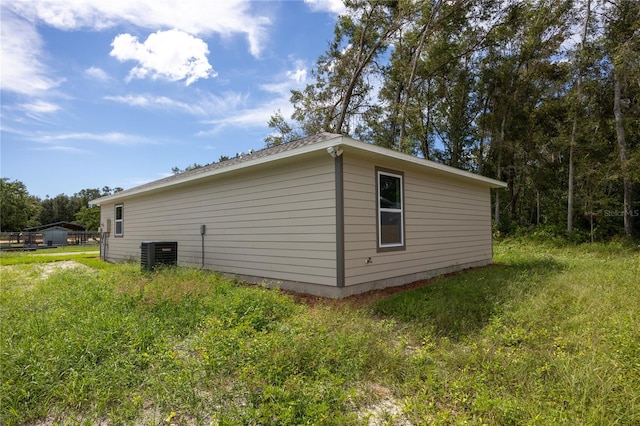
(108, 191)
(177, 170)
(61, 208)
(282, 131)
(89, 216)
(455, 117)
(499, 88)
(18, 209)
(435, 38)
(342, 92)
(576, 111)
(515, 74)
(623, 46)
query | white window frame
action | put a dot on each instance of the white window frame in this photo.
(380, 210)
(117, 221)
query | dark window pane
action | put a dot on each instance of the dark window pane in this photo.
(390, 228)
(390, 192)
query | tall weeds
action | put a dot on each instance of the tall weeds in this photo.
(550, 334)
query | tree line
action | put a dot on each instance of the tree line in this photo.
(20, 210)
(542, 94)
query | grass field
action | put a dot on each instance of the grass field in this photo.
(549, 335)
(49, 255)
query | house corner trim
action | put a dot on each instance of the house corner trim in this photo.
(339, 180)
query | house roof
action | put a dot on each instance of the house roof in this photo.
(318, 142)
(66, 225)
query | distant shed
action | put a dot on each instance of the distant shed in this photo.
(55, 233)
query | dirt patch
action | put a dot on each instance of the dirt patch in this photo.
(50, 268)
(385, 411)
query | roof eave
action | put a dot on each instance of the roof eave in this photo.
(239, 166)
(319, 146)
(493, 183)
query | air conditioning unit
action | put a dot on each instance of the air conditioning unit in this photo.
(154, 253)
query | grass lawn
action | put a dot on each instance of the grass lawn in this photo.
(75, 253)
(549, 335)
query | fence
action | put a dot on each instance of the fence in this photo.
(36, 239)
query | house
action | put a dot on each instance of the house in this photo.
(325, 215)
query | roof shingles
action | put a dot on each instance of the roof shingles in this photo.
(266, 152)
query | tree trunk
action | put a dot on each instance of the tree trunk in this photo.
(538, 208)
(496, 214)
(363, 59)
(409, 85)
(571, 179)
(624, 155)
(574, 128)
(496, 211)
(483, 134)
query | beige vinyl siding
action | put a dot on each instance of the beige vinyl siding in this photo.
(107, 218)
(447, 223)
(275, 222)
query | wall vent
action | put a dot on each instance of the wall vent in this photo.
(154, 253)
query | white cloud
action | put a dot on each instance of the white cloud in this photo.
(174, 55)
(251, 117)
(96, 73)
(295, 78)
(197, 17)
(205, 105)
(298, 75)
(61, 148)
(20, 53)
(331, 6)
(39, 107)
(112, 138)
(258, 115)
(148, 101)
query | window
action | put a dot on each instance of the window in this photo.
(390, 210)
(119, 214)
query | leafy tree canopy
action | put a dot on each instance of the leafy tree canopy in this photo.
(499, 88)
(18, 209)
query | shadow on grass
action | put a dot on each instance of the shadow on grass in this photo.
(458, 305)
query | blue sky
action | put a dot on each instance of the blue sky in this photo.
(116, 93)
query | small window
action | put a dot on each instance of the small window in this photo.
(119, 221)
(390, 210)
